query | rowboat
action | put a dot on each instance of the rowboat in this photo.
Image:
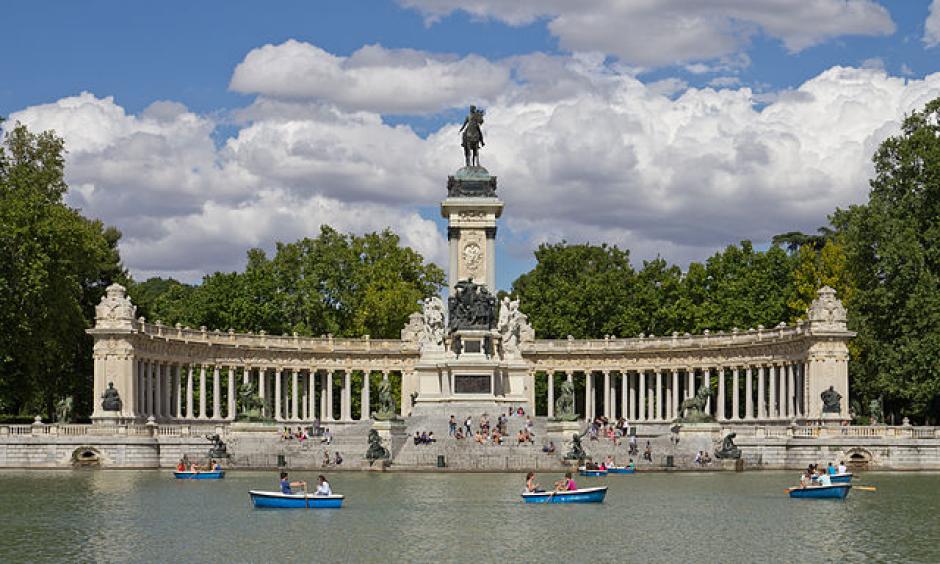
(845, 478)
(295, 500)
(834, 491)
(621, 470)
(207, 475)
(592, 473)
(584, 495)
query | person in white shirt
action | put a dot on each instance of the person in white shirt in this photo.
(842, 468)
(323, 487)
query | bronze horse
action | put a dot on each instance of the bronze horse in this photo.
(472, 138)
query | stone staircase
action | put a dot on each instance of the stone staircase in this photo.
(265, 449)
(466, 454)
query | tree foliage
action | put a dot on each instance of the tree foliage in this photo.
(893, 257)
(54, 266)
(336, 283)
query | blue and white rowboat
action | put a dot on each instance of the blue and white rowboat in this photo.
(841, 478)
(592, 473)
(207, 475)
(845, 478)
(584, 495)
(835, 491)
(299, 500)
(621, 470)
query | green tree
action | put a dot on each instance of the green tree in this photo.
(580, 290)
(892, 247)
(336, 283)
(54, 266)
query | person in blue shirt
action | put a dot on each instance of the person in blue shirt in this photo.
(286, 484)
(831, 469)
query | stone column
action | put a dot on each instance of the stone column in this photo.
(232, 406)
(347, 393)
(202, 392)
(631, 397)
(761, 392)
(157, 390)
(168, 391)
(613, 398)
(278, 412)
(641, 404)
(735, 393)
(364, 410)
(323, 412)
(329, 394)
(720, 400)
(801, 389)
(772, 384)
(707, 384)
(624, 399)
(791, 386)
(294, 396)
(675, 394)
(262, 389)
(189, 393)
(217, 392)
(690, 383)
(588, 396)
(177, 396)
(658, 413)
(551, 393)
(748, 395)
(148, 389)
(312, 394)
(607, 413)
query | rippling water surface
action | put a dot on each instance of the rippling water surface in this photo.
(147, 516)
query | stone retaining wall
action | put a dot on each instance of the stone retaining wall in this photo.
(887, 451)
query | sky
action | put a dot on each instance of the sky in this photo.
(672, 128)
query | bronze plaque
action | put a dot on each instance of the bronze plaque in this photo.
(472, 384)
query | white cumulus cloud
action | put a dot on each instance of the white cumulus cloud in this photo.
(584, 150)
(661, 32)
(932, 25)
(376, 79)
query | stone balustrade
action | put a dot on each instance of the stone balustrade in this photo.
(216, 338)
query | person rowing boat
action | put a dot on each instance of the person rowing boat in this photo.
(566, 484)
(286, 485)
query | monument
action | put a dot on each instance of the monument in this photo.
(476, 359)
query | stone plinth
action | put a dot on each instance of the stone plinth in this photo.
(694, 437)
(563, 429)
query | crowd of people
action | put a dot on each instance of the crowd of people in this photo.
(494, 433)
(603, 428)
(816, 476)
(303, 433)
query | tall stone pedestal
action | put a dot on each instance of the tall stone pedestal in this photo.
(471, 210)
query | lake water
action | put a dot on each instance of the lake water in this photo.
(146, 516)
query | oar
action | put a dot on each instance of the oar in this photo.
(865, 488)
(306, 499)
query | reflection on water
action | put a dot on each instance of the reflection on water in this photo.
(146, 516)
